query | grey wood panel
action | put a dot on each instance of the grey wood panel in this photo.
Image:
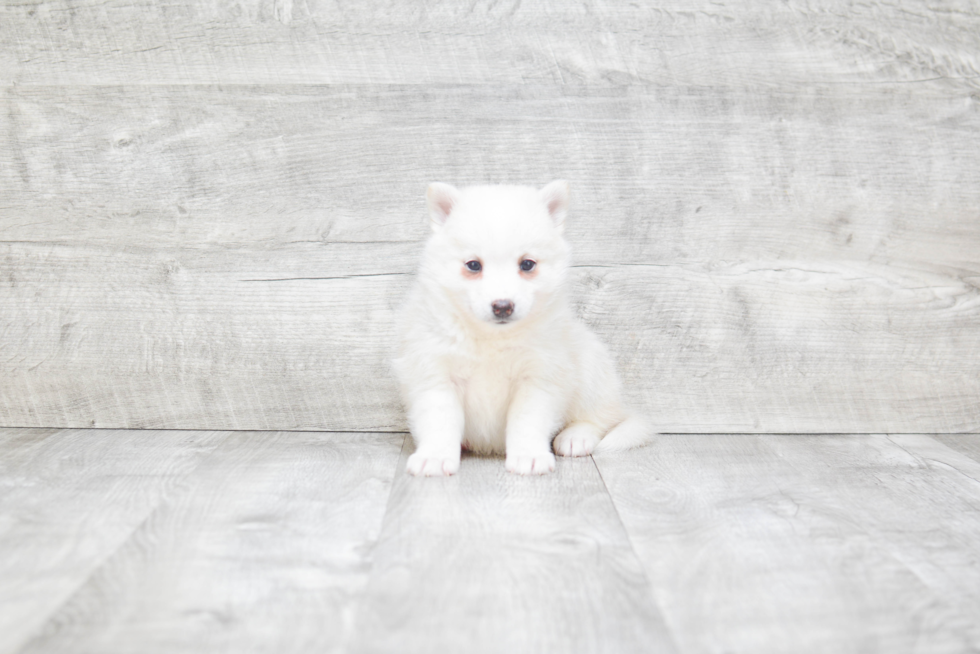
(265, 550)
(758, 261)
(888, 172)
(70, 499)
(185, 338)
(793, 346)
(486, 561)
(806, 543)
(687, 43)
(167, 338)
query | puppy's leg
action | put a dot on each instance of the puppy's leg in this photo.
(533, 417)
(436, 420)
(577, 439)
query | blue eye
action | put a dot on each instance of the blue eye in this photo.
(527, 265)
(474, 266)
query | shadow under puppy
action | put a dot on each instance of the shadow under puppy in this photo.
(492, 357)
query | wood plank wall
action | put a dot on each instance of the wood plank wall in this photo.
(209, 211)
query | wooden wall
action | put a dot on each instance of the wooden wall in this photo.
(209, 211)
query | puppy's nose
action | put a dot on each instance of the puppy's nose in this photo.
(502, 308)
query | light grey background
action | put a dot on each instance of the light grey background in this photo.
(209, 211)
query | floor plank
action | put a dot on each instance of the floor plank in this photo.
(265, 550)
(69, 500)
(806, 543)
(17, 447)
(490, 562)
(968, 444)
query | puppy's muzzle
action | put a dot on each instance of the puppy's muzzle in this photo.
(502, 309)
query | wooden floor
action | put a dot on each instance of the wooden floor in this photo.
(192, 541)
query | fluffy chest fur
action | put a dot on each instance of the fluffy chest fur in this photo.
(488, 371)
(486, 379)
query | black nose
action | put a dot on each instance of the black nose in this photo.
(502, 308)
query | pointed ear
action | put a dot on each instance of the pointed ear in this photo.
(441, 198)
(555, 197)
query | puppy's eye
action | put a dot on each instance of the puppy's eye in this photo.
(474, 266)
(527, 265)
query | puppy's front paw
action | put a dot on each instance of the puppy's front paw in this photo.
(577, 440)
(433, 464)
(531, 464)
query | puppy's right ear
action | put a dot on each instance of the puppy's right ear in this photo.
(555, 197)
(441, 198)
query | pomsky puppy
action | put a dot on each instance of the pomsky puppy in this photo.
(492, 357)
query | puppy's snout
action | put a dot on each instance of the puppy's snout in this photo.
(502, 308)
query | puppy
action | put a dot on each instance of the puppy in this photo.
(492, 357)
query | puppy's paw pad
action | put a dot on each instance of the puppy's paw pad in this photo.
(531, 464)
(575, 444)
(427, 464)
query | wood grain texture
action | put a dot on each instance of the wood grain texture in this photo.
(486, 561)
(231, 257)
(69, 501)
(535, 42)
(162, 541)
(171, 340)
(888, 172)
(968, 444)
(806, 543)
(750, 348)
(265, 550)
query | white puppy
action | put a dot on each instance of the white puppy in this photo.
(492, 357)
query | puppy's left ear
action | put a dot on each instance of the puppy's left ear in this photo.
(555, 197)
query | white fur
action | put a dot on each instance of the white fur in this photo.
(469, 380)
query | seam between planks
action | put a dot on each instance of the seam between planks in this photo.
(629, 539)
(359, 602)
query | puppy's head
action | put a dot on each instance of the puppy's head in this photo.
(498, 251)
